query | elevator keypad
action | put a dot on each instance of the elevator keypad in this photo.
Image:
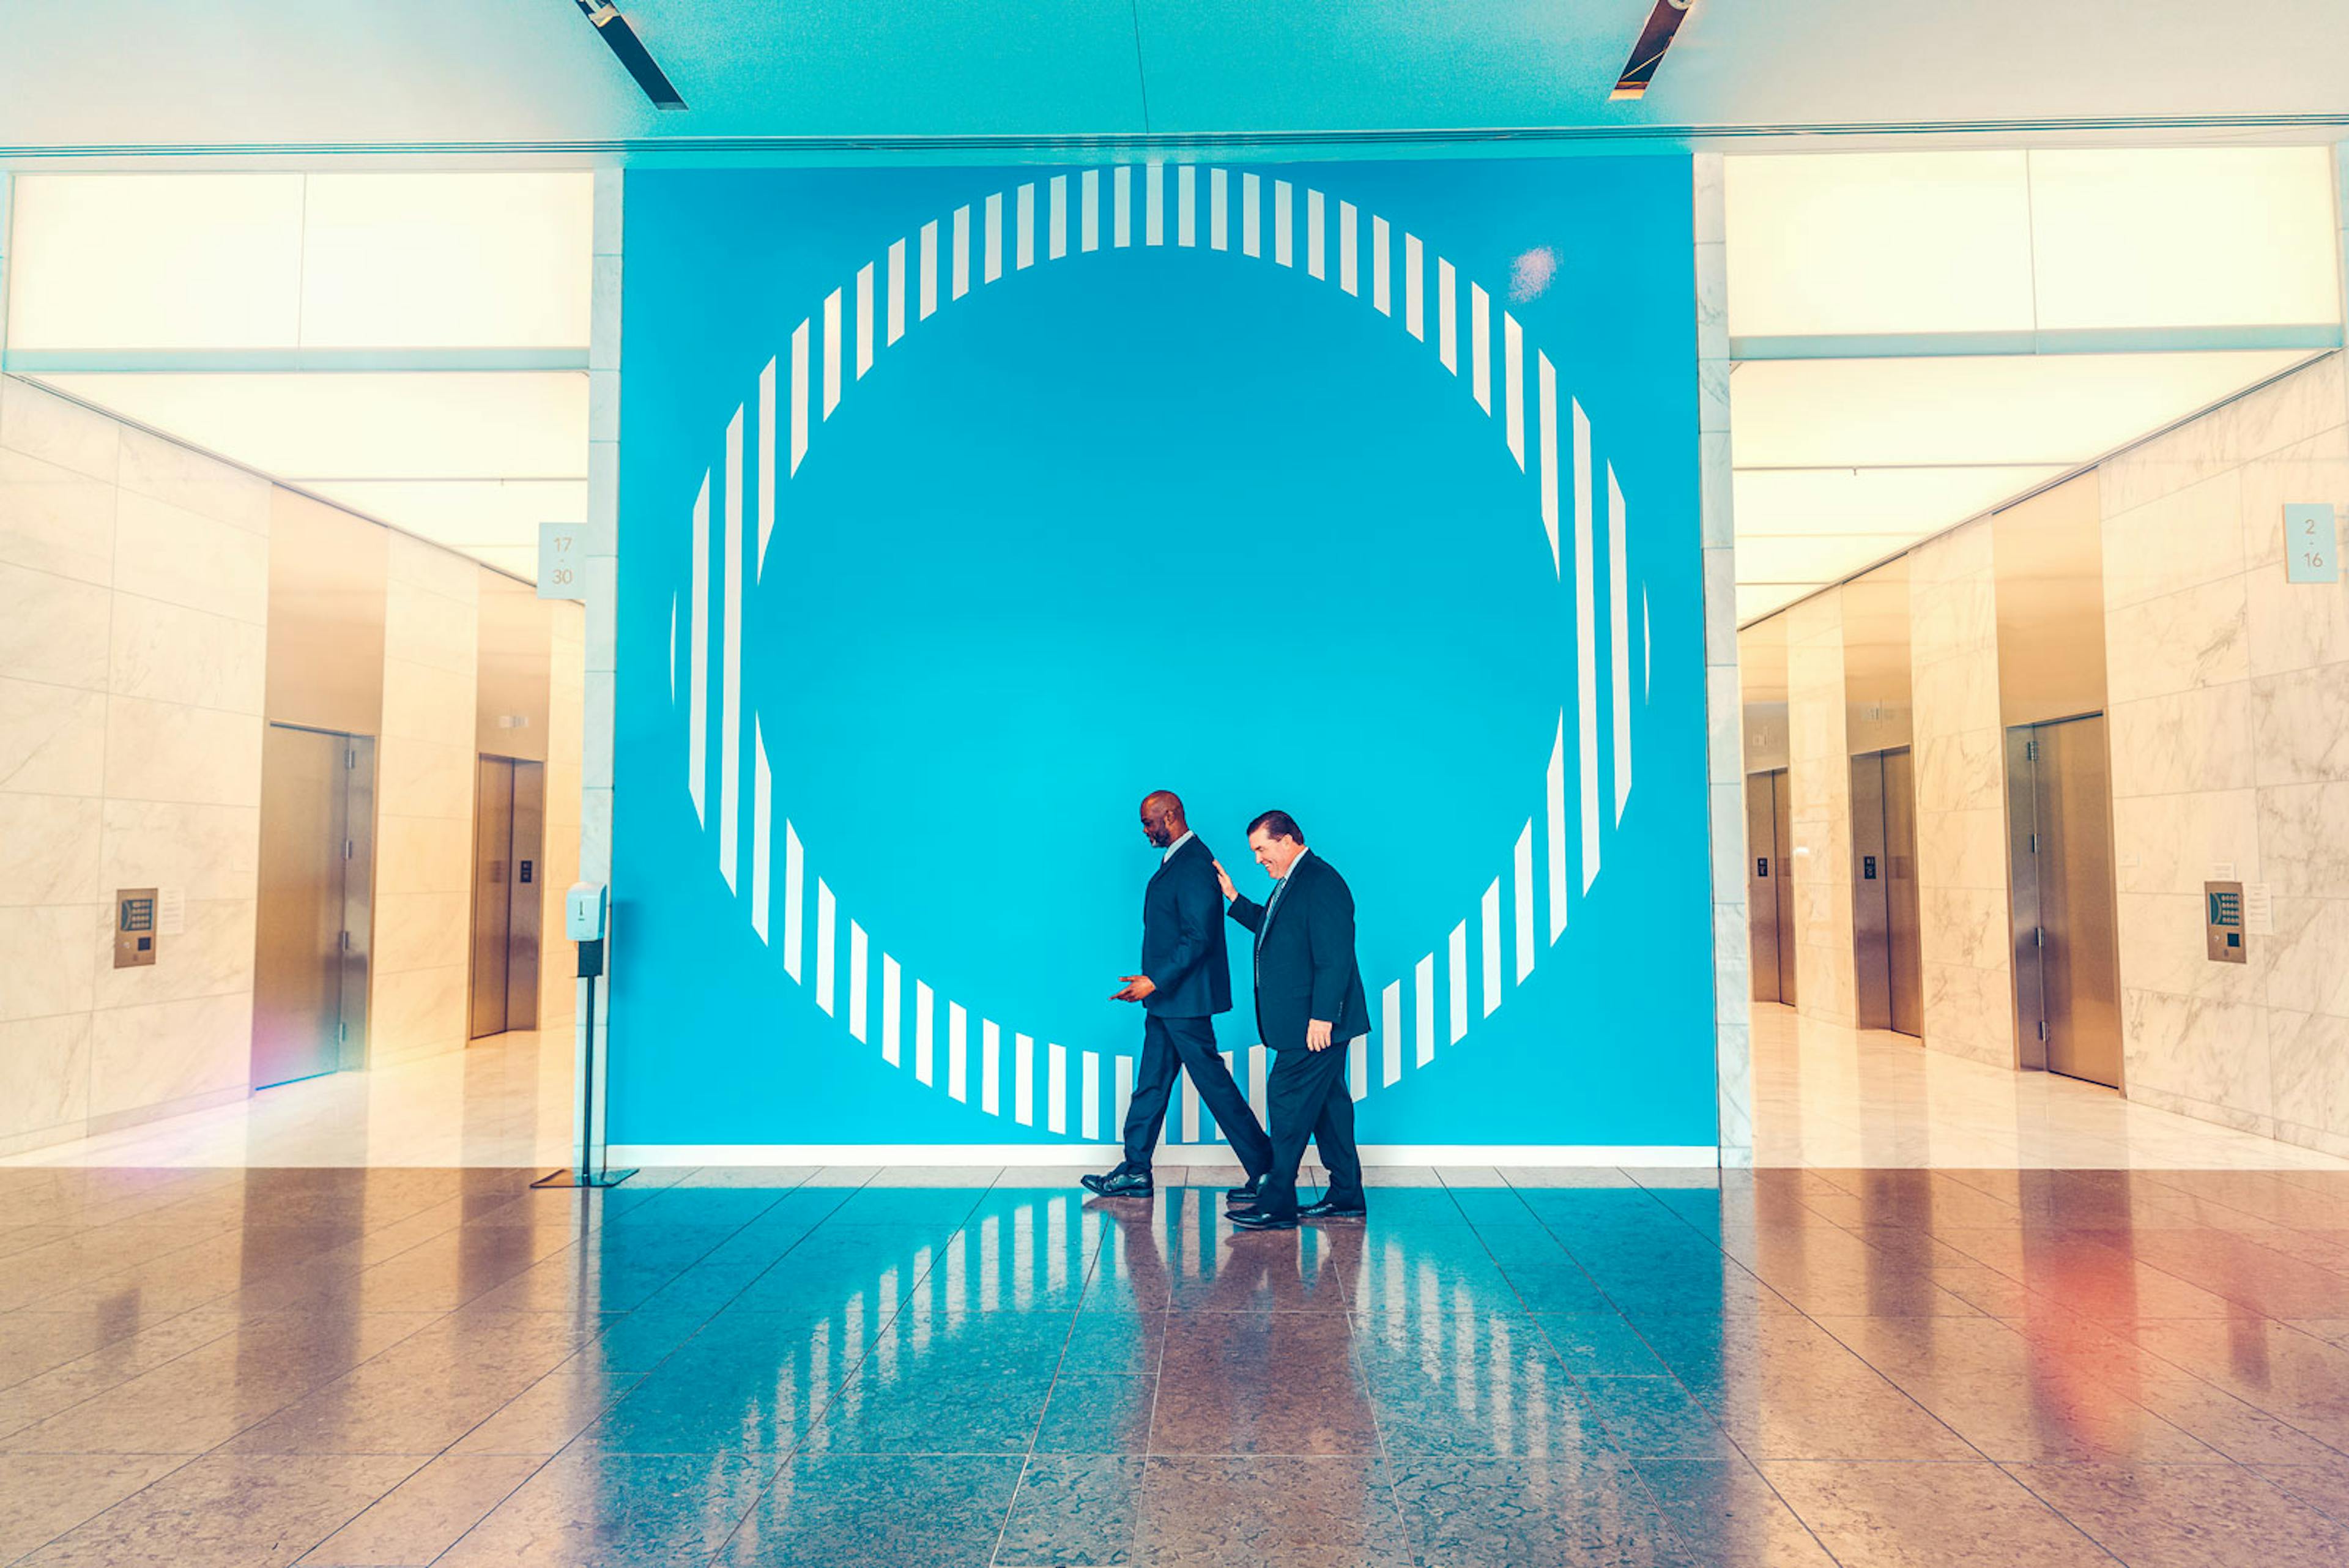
(134, 927)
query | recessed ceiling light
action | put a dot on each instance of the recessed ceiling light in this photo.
(1648, 52)
(617, 33)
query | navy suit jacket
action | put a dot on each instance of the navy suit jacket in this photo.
(1305, 966)
(1183, 948)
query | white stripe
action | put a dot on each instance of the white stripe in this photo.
(795, 883)
(1647, 648)
(1480, 347)
(762, 816)
(1093, 1091)
(924, 1025)
(826, 946)
(672, 647)
(1280, 223)
(1056, 1072)
(1349, 272)
(961, 282)
(1545, 387)
(896, 290)
(729, 674)
(929, 294)
(1618, 589)
(1190, 1107)
(1153, 223)
(1586, 648)
(1218, 234)
(697, 712)
(1313, 238)
(1089, 238)
(1492, 953)
(1424, 1008)
(1447, 313)
(798, 394)
(859, 979)
(957, 1052)
(766, 463)
(1391, 1031)
(1381, 299)
(991, 1067)
(1557, 799)
(831, 336)
(1525, 869)
(1120, 223)
(1513, 372)
(1250, 244)
(1259, 1068)
(1186, 206)
(1056, 238)
(1414, 287)
(1023, 254)
(1023, 1079)
(892, 1006)
(1458, 993)
(1216, 1128)
(863, 319)
(1358, 1068)
(993, 255)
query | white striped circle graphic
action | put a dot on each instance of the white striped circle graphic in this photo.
(890, 297)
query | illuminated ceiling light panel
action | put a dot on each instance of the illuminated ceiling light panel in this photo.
(2027, 409)
(1873, 502)
(490, 425)
(1827, 243)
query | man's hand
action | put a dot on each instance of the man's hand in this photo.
(1137, 987)
(1224, 880)
(1316, 1035)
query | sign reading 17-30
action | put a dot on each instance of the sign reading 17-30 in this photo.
(563, 560)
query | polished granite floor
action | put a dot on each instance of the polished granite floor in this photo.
(1903, 1367)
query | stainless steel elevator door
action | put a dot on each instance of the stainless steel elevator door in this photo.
(2067, 963)
(1902, 914)
(508, 809)
(1763, 874)
(1783, 827)
(493, 892)
(310, 836)
(1870, 937)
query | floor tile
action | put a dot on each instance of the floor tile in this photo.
(42, 1496)
(602, 1511)
(2189, 1516)
(909, 1512)
(1269, 1513)
(1073, 1510)
(1961, 1515)
(231, 1512)
(425, 1514)
(1090, 1413)
(1723, 1514)
(1264, 1383)
(1482, 1511)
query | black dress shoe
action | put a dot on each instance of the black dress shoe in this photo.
(1121, 1183)
(1329, 1209)
(1246, 1194)
(1257, 1220)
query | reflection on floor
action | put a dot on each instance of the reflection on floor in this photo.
(503, 1101)
(250, 1368)
(1825, 1095)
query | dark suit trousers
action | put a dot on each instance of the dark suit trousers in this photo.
(1307, 1097)
(1174, 1046)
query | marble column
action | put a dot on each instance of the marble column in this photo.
(1818, 772)
(1960, 769)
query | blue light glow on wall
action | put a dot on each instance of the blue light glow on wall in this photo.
(962, 507)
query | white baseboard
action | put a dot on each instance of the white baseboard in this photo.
(1102, 1154)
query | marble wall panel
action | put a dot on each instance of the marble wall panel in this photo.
(156, 1056)
(2316, 469)
(44, 1076)
(2190, 742)
(53, 628)
(2300, 726)
(182, 557)
(162, 470)
(52, 739)
(171, 752)
(210, 956)
(167, 653)
(2304, 839)
(417, 1013)
(45, 959)
(1819, 773)
(2193, 639)
(54, 519)
(421, 930)
(49, 848)
(2173, 843)
(2309, 1065)
(422, 855)
(40, 424)
(209, 852)
(2304, 971)
(2211, 1052)
(2178, 540)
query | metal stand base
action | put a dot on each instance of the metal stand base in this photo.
(570, 1178)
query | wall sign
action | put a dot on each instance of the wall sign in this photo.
(2311, 543)
(563, 560)
(927, 468)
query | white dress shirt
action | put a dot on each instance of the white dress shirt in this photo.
(1187, 837)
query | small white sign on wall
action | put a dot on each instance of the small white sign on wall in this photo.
(2311, 543)
(171, 911)
(563, 560)
(2258, 910)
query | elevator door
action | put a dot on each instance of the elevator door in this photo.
(508, 805)
(1889, 979)
(1770, 892)
(2067, 952)
(311, 924)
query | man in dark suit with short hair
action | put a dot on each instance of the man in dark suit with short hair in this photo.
(1185, 981)
(1308, 1004)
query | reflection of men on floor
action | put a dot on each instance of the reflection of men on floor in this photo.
(1308, 1004)
(1185, 981)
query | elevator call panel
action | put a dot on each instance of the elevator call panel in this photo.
(134, 927)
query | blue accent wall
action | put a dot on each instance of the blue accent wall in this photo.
(1157, 515)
